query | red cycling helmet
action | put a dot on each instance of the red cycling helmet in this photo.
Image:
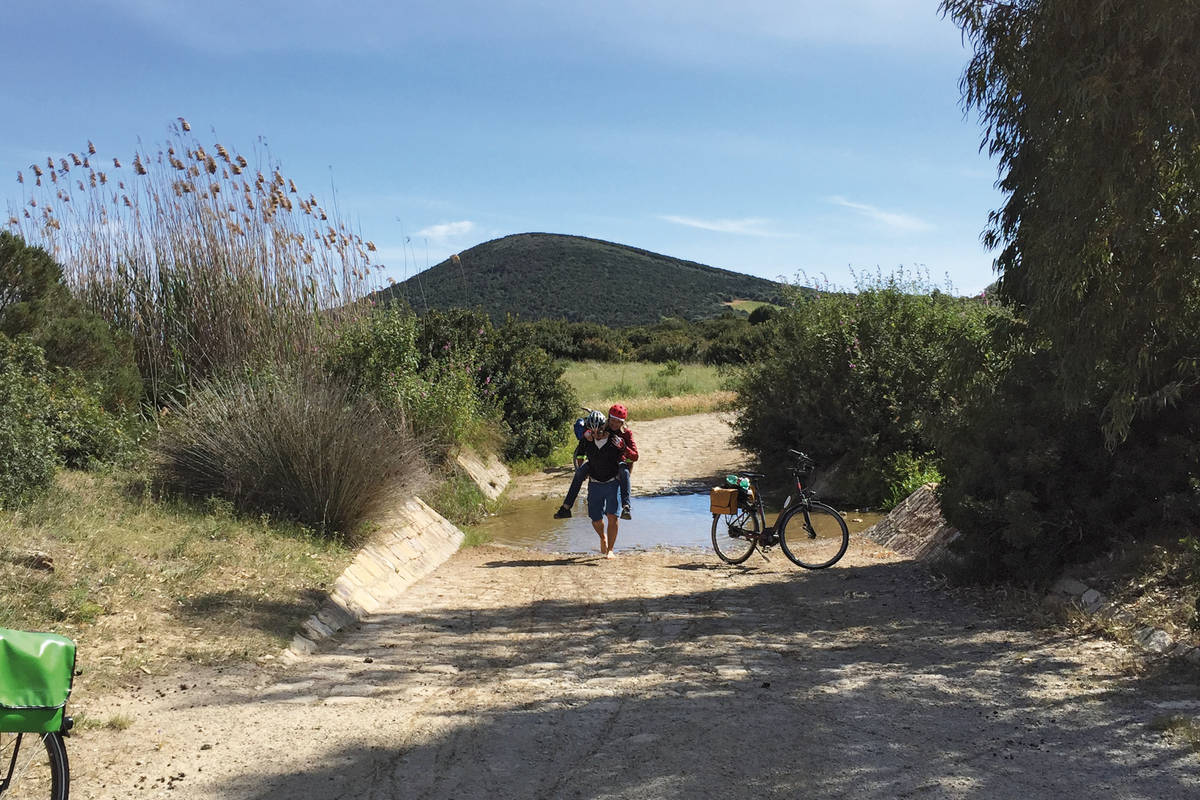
(618, 412)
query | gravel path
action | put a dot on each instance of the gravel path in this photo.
(515, 674)
(511, 674)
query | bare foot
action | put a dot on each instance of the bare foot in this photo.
(603, 545)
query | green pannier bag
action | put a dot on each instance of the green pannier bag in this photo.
(36, 671)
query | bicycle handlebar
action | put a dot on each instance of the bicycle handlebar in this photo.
(802, 461)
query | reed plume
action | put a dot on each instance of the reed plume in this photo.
(206, 275)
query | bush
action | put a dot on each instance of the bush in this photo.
(853, 379)
(27, 442)
(534, 401)
(48, 416)
(460, 379)
(736, 346)
(35, 301)
(1032, 485)
(672, 345)
(303, 446)
(381, 356)
(84, 432)
(905, 473)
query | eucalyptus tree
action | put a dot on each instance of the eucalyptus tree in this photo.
(1090, 107)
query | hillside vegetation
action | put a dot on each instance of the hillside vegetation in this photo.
(552, 276)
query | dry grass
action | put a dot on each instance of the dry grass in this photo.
(645, 408)
(1179, 726)
(1149, 577)
(143, 587)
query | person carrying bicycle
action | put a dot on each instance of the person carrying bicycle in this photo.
(585, 431)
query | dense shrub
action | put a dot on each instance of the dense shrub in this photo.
(578, 341)
(737, 345)
(84, 432)
(380, 356)
(295, 444)
(669, 346)
(27, 442)
(35, 301)
(516, 381)
(1032, 485)
(47, 416)
(459, 378)
(853, 379)
(535, 403)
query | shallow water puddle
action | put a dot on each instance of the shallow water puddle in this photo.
(669, 521)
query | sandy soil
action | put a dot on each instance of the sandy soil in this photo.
(514, 674)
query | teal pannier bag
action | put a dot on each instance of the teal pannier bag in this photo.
(36, 671)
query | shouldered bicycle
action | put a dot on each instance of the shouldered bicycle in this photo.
(811, 534)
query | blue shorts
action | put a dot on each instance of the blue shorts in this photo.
(602, 499)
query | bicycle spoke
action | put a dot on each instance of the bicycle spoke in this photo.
(34, 772)
(734, 535)
(815, 537)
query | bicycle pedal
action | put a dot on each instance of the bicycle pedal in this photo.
(762, 551)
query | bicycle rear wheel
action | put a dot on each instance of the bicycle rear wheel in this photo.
(814, 537)
(33, 766)
(734, 535)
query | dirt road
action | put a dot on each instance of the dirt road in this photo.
(513, 674)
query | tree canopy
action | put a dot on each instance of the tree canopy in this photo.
(1090, 107)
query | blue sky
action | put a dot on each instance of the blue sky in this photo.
(765, 137)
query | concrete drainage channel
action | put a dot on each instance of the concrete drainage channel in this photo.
(408, 546)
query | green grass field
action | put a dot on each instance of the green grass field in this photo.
(649, 391)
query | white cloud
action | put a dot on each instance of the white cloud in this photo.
(445, 230)
(904, 223)
(750, 226)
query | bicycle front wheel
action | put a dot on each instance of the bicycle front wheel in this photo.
(33, 766)
(734, 535)
(814, 537)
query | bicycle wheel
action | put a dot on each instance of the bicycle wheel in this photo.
(734, 535)
(33, 766)
(815, 537)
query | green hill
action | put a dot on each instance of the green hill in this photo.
(552, 276)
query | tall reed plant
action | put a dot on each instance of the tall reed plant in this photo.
(209, 259)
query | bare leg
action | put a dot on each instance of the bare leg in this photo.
(612, 536)
(599, 526)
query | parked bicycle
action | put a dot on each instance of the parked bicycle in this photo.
(811, 534)
(36, 672)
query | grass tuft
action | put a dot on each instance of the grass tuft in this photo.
(299, 445)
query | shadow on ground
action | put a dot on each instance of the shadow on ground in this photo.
(864, 682)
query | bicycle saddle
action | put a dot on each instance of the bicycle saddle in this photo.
(753, 474)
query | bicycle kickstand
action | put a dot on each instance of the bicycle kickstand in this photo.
(762, 551)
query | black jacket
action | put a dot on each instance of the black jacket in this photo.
(603, 462)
